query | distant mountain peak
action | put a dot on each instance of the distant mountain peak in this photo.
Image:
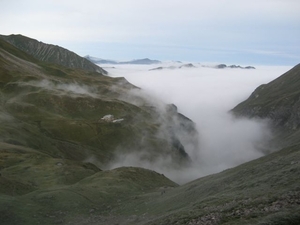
(144, 61)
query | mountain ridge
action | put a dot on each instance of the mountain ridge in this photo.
(144, 61)
(51, 53)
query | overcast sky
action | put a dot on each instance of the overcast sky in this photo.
(229, 31)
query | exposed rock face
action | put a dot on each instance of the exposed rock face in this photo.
(52, 53)
(278, 101)
(182, 131)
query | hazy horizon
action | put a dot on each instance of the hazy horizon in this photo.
(233, 32)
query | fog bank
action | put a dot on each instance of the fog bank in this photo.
(205, 95)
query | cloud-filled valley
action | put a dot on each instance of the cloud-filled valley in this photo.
(205, 95)
(144, 141)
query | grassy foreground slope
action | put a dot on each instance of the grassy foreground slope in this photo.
(263, 191)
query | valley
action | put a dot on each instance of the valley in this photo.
(66, 132)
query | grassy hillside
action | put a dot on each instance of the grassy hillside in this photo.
(53, 135)
(54, 144)
(59, 111)
(278, 101)
(264, 191)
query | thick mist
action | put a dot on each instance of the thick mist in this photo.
(205, 95)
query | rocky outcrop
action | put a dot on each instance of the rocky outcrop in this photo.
(52, 53)
(182, 131)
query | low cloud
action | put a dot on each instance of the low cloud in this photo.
(64, 88)
(206, 96)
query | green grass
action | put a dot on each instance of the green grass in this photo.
(277, 101)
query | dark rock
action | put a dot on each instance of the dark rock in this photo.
(182, 131)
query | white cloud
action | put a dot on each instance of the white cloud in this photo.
(206, 95)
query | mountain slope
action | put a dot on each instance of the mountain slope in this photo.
(61, 112)
(278, 101)
(51, 53)
(264, 191)
(59, 127)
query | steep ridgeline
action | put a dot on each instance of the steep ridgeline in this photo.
(52, 53)
(278, 101)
